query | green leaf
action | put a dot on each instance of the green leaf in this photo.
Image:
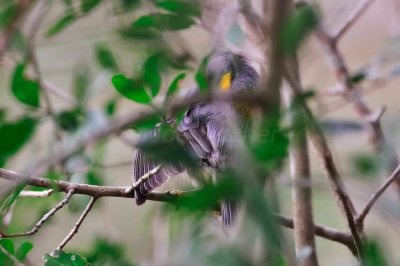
(61, 258)
(151, 75)
(81, 84)
(357, 77)
(201, 75)
(11, 199)
(175, 84)
(111, 107)
(165, 148)
(88, 5)
(298, 27)
(23, 251)
(366, 165)
(105, 57)
(163, 22)
(373, 254)
(146, 124)
(8, 245)
(19, 42)
(94, 178)
(15, 136)
(24, 89)
(7, 14)
(140, 34)
(61, 24)
(131, 89)
(70, 120)
(190, 8)
(105, 252)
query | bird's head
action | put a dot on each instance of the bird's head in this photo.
(228, 72)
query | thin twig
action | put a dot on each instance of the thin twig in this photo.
(44, 219)
(143, 178)
(361, 217)
(358, 12)
(78, 224)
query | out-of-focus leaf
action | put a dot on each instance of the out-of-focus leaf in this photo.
(11, 199)
(24, 89)
(106, 58)
(3, 114)
(366, 165)
(8, 245)
(105, 252)
(146, 124)
(175, 84)
(163, 22)
(126, 5)
(358, 77)
(272, 144)
(61, 24)
(131, 89)
(61, 258)
(260, 212)
(88, 5)
(209, 196)
(111, 107)
(298, 27)
(151, 74)
(15, 135)
(201, 75)
(23, 251)
(18, 42)
(81, 84)
(166, 148)
(190, 8)
(70, 120)
(373, 254)
(7, 13)
(140, 34)
(94, 178)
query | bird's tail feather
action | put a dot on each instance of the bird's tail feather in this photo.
(228, 213)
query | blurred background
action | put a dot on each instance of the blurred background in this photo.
(157, 234)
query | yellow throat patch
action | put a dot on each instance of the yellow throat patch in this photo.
(225, 82)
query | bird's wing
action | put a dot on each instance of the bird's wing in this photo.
(142, 165)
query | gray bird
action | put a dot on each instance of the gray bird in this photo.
(210, 130)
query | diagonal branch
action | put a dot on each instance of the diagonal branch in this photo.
(78, 224)
(358, 12)
(44, 219)
(361, 217)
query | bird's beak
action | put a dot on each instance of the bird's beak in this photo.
(225, 82)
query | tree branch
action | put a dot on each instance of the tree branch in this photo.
(361, 217)
(44, 219)
(322, 231)
(170, 196)
(78, 224)
(358, 12)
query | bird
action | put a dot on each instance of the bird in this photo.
(210, 130)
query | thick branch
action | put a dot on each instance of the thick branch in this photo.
(320, 144)
(300, 172)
